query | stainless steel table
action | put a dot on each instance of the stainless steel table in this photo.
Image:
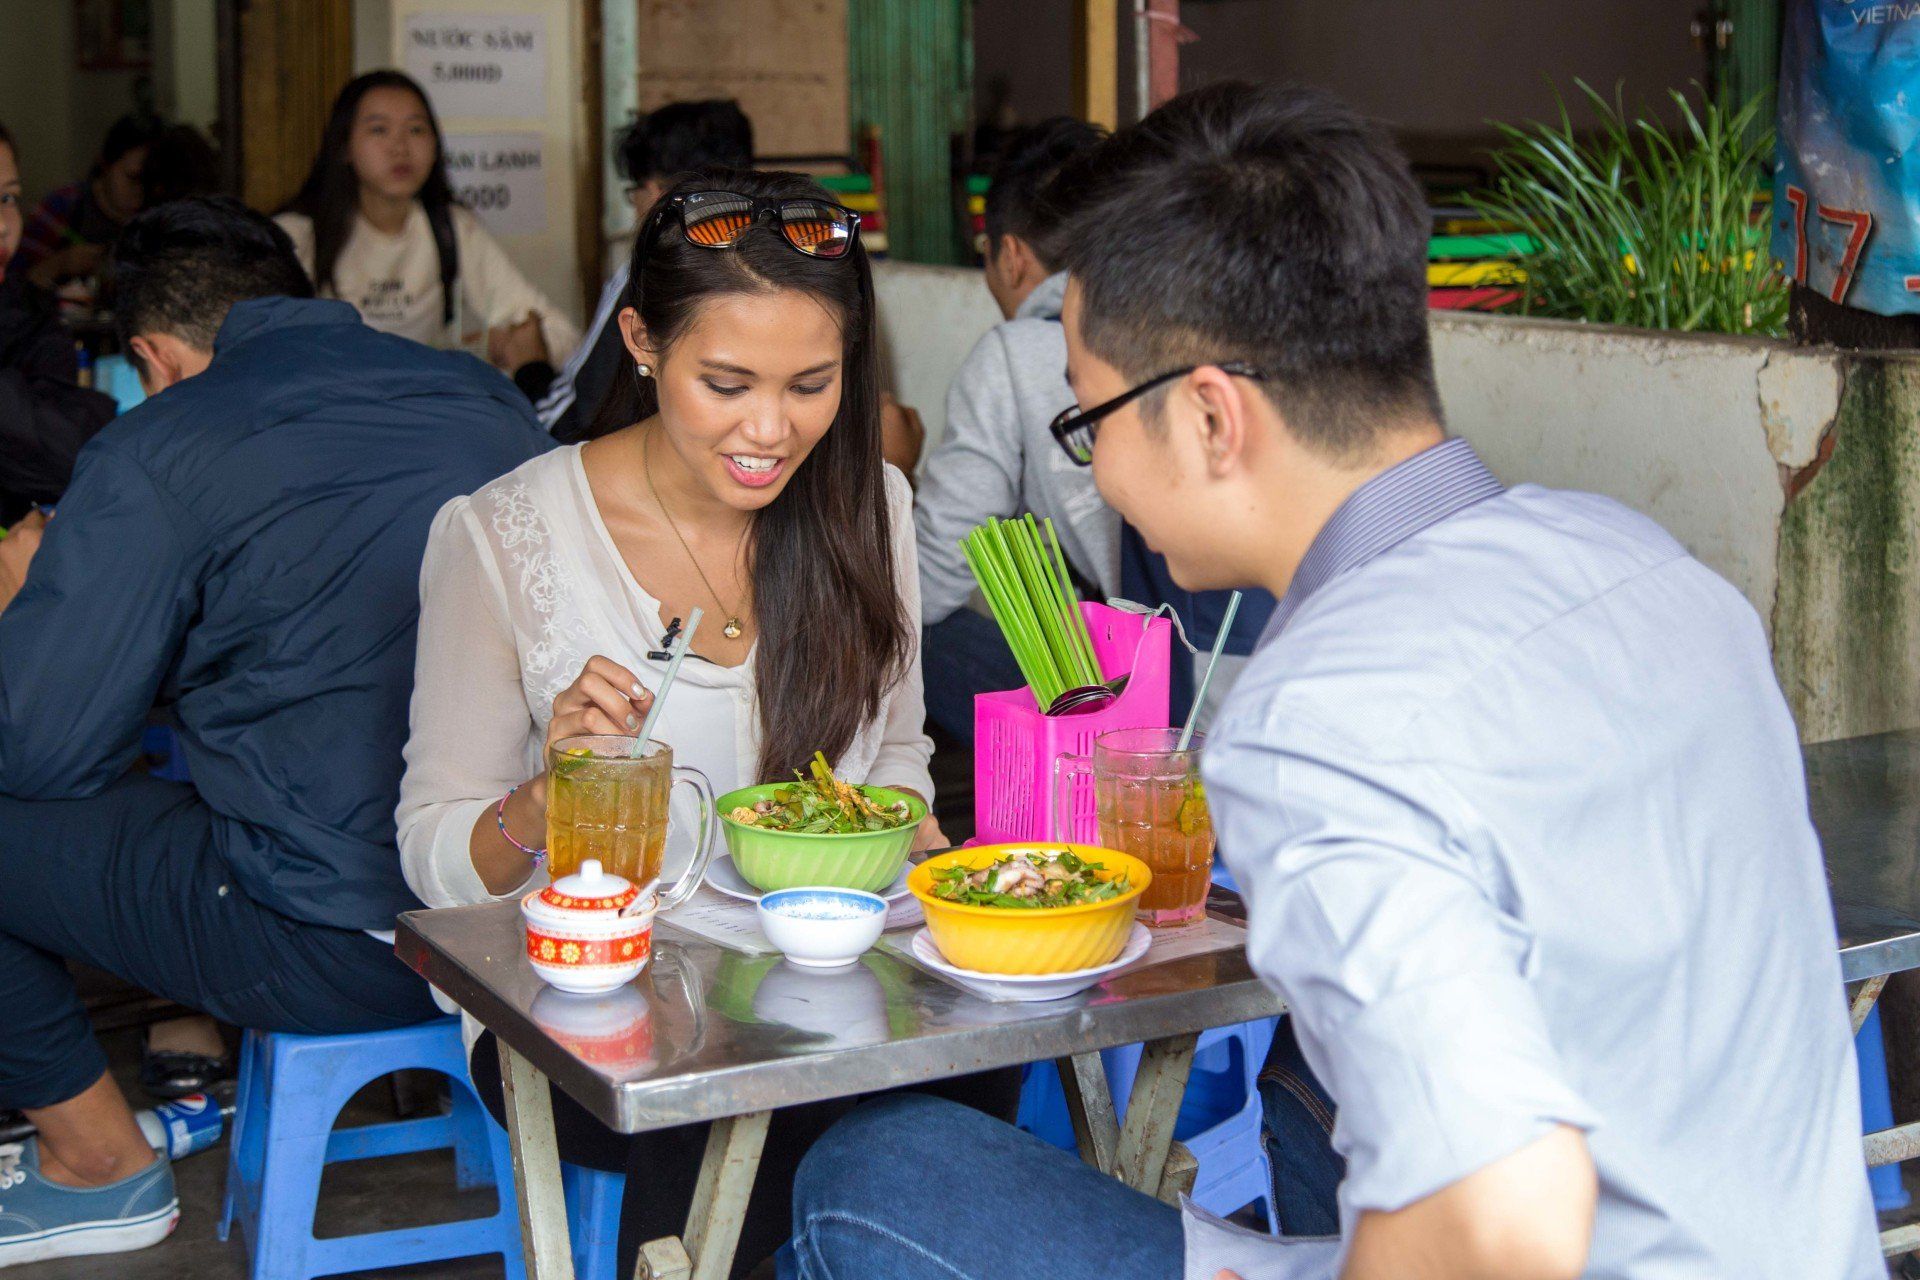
(708, 1034)
(1865, 796)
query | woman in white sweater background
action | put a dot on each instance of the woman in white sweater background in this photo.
(376, 224)
(735, 467)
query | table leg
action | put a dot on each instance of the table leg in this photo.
(536, 1168)
(1152, 1109)
(1863, 1000)
(719, 1210)
(1090, 1108)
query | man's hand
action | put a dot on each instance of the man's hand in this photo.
(512, 346)
(17, 550)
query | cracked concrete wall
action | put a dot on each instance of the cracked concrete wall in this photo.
(1846, 628)
(1795, 473)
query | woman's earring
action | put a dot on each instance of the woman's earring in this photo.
(644, 370)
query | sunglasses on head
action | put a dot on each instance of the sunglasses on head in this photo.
(717, 220)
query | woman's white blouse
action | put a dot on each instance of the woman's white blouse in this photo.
(521, 584)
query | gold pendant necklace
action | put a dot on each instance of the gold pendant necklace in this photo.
(733, 628)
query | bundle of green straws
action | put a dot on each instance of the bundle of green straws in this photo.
(1023, 575)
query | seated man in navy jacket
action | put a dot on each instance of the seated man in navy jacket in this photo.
(244, 550)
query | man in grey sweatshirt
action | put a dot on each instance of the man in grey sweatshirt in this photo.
(997, 457)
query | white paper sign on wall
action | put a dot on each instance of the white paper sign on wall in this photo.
(503, 178)
(480, 64)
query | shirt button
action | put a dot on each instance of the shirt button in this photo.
(222, 891)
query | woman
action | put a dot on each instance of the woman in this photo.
(376, 224)
(45, 415)
(68, 236)
(734, 468)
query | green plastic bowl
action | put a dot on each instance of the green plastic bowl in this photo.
(769, 860)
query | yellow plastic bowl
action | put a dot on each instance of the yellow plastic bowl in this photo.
(1019, 940)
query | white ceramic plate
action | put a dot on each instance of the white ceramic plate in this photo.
(722, 875)
(1028, 987)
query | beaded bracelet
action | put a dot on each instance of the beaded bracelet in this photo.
(500, 816)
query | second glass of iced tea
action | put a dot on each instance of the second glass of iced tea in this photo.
(1151, 804)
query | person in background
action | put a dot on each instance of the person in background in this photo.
(376, 223)
(68, 236)
(676, 139)
(997, 458)
(1518, 803)
(243, 549)
(45, 415)
(734, 467)
(180, 163)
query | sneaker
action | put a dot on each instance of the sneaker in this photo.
(41, 1219)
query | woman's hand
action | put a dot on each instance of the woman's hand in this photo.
(929, 836)
(604, 698)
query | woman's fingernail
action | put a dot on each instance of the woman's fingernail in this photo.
(639, 692)
(633, 722)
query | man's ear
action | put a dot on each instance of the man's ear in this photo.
(1019, 264)
(163, 360)
(1224, 416)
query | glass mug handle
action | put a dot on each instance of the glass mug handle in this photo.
(1066, 770)
(702, 844)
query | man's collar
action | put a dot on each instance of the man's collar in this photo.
(1401, 501)
(255, 316)
(1046, 300)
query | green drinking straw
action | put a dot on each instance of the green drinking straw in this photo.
(675, 654)
(1200, 694)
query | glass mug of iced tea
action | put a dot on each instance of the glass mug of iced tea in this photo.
(604, 803)
(1151, 804)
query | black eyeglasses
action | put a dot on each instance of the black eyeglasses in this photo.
(717, 220)
(1074, 429)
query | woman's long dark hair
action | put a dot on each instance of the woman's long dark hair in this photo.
(331, 193)
(834, 635)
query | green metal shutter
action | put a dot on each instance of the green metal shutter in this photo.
(910, 75)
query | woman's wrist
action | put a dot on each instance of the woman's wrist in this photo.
(523, 814)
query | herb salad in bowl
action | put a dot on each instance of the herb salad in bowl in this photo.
(1030, 908)
(819, 831)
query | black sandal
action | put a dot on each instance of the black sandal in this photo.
(165, 1073)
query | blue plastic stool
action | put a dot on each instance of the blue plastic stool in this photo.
(593, 1219)
(292, 1088)
(1876, 1110)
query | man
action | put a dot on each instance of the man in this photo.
(1516, 802)
(998, 460)
(243, 549)
(656, 149)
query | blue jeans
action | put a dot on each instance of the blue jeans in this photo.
(961, 655)
(864, 1204)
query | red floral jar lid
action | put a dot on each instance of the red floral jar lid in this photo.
(590, 889)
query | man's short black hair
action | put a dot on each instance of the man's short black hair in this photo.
(178, 268)
(1273, 225)
(684, 136)
(1021, 200)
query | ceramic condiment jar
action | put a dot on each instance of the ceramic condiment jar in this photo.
(589, 932)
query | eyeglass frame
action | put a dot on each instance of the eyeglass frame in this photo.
(759, 205)
(1075, 419)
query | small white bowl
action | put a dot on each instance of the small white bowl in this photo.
(822, 928)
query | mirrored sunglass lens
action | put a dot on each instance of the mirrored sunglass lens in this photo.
(716, 218)
(817, 229)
